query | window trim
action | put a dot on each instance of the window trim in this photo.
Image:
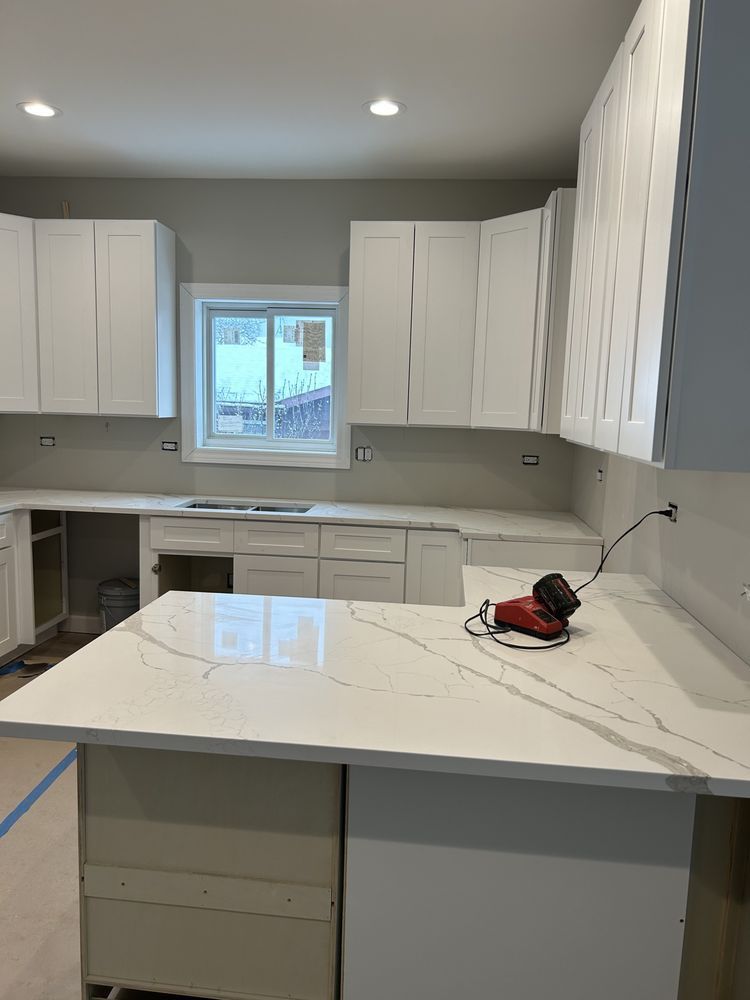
(193, 298)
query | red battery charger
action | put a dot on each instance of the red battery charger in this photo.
(545, 613)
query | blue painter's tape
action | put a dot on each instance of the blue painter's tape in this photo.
(25, 804)
(12, 668)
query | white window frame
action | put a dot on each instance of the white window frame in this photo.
(194, 297)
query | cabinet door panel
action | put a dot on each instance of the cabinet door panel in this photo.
(361, 581)
(276, 576)
(380, 288)
(126, 317)
(19, 376)
(434, 568)
(648, 212)
(506, 319)
(67, 315)
(598, 365)
(544, 301)
(446, 256)
(8, 629)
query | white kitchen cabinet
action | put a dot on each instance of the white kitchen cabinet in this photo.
(346, 580)
(136, 301)
(66, 295)
(276, 538)
(434, 562)
(507, 298)
(8, 623)
(446, 258)
(380, 297)
(276, 576)
(192, 534)
(19, 371)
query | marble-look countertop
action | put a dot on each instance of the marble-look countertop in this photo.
(642, 696)
(509, 525)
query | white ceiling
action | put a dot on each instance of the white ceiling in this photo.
(274, 88)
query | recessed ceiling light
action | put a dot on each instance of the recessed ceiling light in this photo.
(383, 107)
(38, 110)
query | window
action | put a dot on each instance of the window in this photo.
(267, 377)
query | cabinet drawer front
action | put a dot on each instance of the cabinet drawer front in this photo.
(191, 534)
(7, 531)
(276, 538)
(550, 556)
(343, 541)
(361, 581)
(276, 576)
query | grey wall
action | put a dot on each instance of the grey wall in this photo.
(702, 561)
(280, 232)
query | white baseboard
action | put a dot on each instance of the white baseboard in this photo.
(91, 624)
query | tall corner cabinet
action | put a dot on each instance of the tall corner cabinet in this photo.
(657, 356)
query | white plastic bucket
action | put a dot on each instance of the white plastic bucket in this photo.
(118, 600)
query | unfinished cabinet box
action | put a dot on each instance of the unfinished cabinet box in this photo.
(216, 894)
(19, 375)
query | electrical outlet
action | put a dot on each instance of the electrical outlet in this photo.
(673, 508)
(47, 441)
(745, 591)
(169, 446)
(363, 453)
(529, 459)
(600, 475)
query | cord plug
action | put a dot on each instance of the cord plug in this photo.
(670, 512)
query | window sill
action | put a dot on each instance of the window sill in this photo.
(288, 459)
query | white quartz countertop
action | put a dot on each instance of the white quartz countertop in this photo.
(510, 525)
(642, 696)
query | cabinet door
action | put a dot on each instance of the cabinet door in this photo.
(361, 581)
(446, 256)
(655, 54)
(380, 285)
(544, 299)
(19, 374)
(589, 151)
(434, 568)
(598, 362)
(126, 317)
(506, 320)
(276, 576)
(8, 629)
(66, 292)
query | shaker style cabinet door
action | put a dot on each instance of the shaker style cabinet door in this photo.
(380, 293)
(134, 297)
(507, 299)
(442, 327)
(655, 57)
(66, 292)
(19, 377)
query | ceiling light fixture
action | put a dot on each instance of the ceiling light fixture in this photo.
(384, 107)
(37, 109)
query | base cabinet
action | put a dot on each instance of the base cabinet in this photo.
(475, 887)
(548, 556)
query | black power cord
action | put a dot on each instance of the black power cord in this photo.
(493, 630)
(664, 513)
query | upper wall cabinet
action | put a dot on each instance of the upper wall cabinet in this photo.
(381, 267)
(107, 339)
(19, 376)
(665, 380)
(450, 322)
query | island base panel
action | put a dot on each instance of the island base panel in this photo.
(204, 875)
(478, 887)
